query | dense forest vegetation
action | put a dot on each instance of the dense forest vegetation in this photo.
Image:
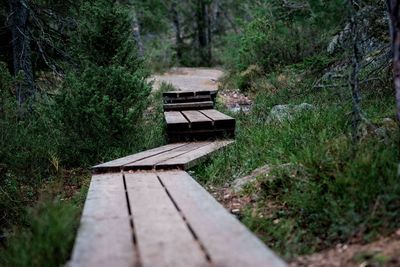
(74, 91)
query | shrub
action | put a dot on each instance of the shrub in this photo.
(99, 108)
(102, 100)
(46, 240)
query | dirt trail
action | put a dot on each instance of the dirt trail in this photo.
(189, 79)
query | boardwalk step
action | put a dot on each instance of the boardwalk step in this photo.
(197, 98)
(182, 155)
(198, 125)
(188, 106)
(162, 219)
(177, 94)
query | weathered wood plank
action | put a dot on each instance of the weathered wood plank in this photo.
(220, 120)
(105, 235)
(176, 121)
(191, 158)
(116, 165)
(150, 163)
(197, 120)
(197, 98)
(226, 240)
(207, 92)
(163, 236)
(178, 94)
(188, 106)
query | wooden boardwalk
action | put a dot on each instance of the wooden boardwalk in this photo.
(145, 210)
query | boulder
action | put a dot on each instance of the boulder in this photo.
(280, 113)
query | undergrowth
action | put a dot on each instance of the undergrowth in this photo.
(328, 187)
(48, 220)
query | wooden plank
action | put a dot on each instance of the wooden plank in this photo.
(117, 164)
(105, 235)
(176, 121)
(178, 93)
(212, 93)
(200, 135)
(197, 98)
(188, 106)
(207, 92)
(150, 163)
(226, 240)
(197, 120)
(163, 236)
(220, 120)
(189, 159)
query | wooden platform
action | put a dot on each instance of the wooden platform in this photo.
(172, 156)
(161, 219)
(199, 125)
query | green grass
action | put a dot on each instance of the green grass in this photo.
(46, 240)
(45, 234)
(339, 190)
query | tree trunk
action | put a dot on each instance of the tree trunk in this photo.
(354, 80)
(393, 7)
(393, 10)
(209, 32)
(22, 61)
(136, 33)
(202, 32)
(178, 34)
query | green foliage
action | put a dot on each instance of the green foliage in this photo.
(101, 102)
(46, 240)
(338, 191)
(103, 30)
(99, 109)
(275, 38)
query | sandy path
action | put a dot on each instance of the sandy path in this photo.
(189, 79)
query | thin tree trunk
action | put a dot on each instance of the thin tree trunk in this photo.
(201, 17)
(393, 10)
(393, 7)
(136, 33)
(178, 34)
(22, 61)
(354, 76)
(209, 32)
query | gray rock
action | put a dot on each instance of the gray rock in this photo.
(264, 173)
(280, 113)
(239, 183)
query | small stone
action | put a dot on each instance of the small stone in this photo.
(276, 221)
(398, 232)
(235, 211)
(227, 196)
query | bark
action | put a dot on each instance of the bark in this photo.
(393, 10)
(203, 32)
(136, 33)
(178, 34)
(393, 7)
(22, 61)
(354, 80)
